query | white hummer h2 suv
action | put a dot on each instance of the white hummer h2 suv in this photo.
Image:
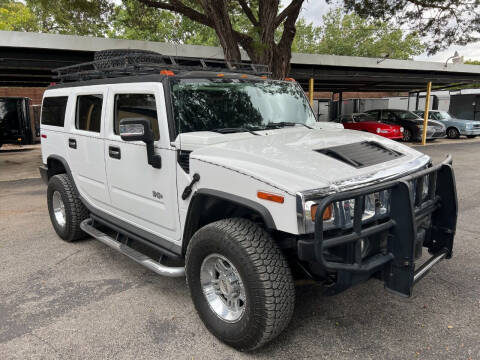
(225, 176)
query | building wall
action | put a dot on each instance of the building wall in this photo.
(34, 93)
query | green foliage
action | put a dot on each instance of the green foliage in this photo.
(472, 62)
(349, 34)
(135, 21)
(307, 37)
(15, 16)
(79, 17)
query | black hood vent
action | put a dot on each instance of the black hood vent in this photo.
(362, 154)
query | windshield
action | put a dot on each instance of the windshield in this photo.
(213, 104)
(443, 115)
(405, 115)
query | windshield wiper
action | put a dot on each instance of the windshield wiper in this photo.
(277, 125)
(234, 130)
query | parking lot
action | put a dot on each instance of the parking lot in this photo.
(84, 300)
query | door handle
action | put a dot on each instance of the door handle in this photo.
(114, 152)
(72, 143)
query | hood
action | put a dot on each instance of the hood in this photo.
(466, 121)
(298, 159)
(430, 122)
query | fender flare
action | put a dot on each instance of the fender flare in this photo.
(241, 201)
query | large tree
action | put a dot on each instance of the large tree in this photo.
(440, 22)
(258, 39)
(352, 35)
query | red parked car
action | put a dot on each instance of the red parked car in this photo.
(365, 122)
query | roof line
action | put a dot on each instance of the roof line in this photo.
(90, 44)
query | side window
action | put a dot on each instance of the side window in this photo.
(373, 113)
(386, 116)
(432, 116)
(53, 110)
(136, 106)
(88, 115)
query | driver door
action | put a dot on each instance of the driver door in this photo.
(140, 194)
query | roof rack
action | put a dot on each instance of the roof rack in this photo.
(144, 64)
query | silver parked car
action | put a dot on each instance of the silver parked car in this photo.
(455, 127)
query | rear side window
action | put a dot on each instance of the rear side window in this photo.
(136, 106)
(88, 115)
(53, 110)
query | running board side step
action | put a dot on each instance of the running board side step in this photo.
(87, 226)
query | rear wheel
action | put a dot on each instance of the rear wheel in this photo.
(471, 136)
(240, 283)
(65, 208)
(453, 133)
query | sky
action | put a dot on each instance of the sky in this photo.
(313, 10)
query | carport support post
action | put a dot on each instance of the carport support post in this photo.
(310, 91)
(425, 115)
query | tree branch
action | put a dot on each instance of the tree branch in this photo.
(179, 7)
(246, 9)
(293, 7)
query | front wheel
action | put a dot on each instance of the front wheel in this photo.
(407, 135)
(453, 133)
(240, 283)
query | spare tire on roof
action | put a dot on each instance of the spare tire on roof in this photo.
(117, 58)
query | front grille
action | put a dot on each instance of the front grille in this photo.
(183, 159)
(362, 154)
(476, 126)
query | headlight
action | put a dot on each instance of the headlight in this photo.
(425, 188)
(469, 126)
(340, 214)
(401, 129)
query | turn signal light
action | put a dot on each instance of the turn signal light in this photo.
(327, 213)
(220, 75)
(244, 76)
(270, 197)
(167, 72)
(289, 79)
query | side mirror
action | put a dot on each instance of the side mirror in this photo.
(139, 129)
(136, 130)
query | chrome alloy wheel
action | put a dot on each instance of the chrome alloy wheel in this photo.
(223, 288)
(59, 209)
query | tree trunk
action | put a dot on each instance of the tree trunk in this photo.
(217, 11)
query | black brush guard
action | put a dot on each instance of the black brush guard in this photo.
(398, 262)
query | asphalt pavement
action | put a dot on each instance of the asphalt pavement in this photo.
(85, 301)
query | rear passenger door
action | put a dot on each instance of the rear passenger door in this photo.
(85, 145)
(141, 195)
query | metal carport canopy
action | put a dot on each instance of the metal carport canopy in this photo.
(26, 59)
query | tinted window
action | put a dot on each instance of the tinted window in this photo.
(364, 117)
(136, 106)
(405, 115)
(53, 110)
(89, 112)
(373, 113)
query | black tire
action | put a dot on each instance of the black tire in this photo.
(264, 271)
(75, 211)
(407, 135)
(107, 59)
(471, 136)
(453, 133)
